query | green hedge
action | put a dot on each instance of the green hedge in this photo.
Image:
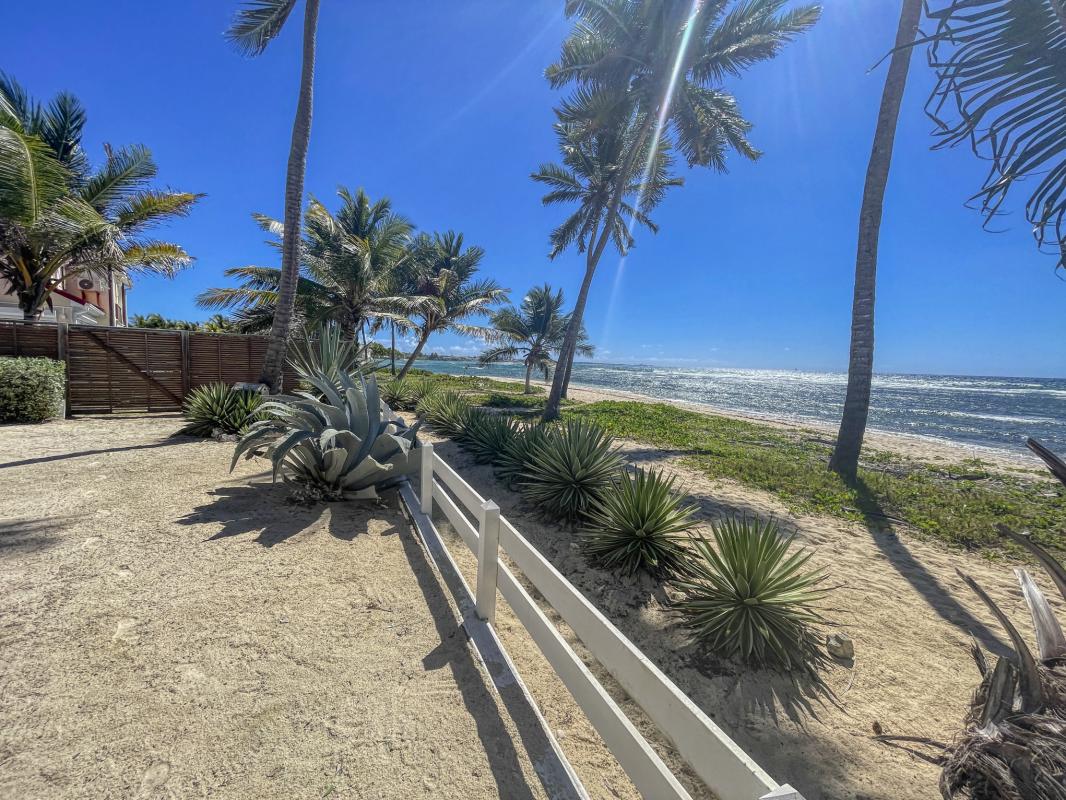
(31, 389)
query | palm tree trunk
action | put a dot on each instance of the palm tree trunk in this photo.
(392, 331)
(274, 361)
(845, 459)
(566, 377)
(529, 372)
(414, 356)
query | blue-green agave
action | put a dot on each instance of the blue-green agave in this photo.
(340, 447)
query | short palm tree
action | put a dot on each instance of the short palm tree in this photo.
(650, 71)
(60, 218)
(443, 293)
(348, 265)
(533, 332)
(257, 24)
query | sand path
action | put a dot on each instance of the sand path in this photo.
(169, 630)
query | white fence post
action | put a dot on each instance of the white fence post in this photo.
(427, 478)
(488, 555)
(785, 792)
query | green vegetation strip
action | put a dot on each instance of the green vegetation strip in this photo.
(957, 503)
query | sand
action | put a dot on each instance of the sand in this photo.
(170, 630)
(898, 597)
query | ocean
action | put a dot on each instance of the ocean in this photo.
(984, 411)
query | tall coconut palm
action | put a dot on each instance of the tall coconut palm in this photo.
(349, 262)
(653, 69)
(845, 458)
(444, 292)
(59, 218)
(1002, 88)
(257, 24)
(533, 332)
(587, 177)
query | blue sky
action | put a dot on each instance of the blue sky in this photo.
(443, 107)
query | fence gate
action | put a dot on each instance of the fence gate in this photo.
(136, 369)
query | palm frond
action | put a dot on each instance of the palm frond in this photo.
(257, 24)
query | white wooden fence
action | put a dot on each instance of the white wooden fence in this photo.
(726, 769)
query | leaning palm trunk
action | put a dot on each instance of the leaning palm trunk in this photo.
(274, 361)
(845, 459)
(413, 357)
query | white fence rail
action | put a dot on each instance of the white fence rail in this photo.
(723, 766)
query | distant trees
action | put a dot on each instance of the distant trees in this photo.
(214, 324)
(532, 332)
(60, 217)
(845, 458)
(257, 24)
(646, 78)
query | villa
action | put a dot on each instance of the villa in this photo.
(83, 299)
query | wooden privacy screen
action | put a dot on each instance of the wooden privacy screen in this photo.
(136, 369)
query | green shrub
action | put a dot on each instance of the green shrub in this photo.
(487, 435)
(750, 599)
(512, 461)
(446, 412)
(31, 389)
(220, 406)
(637, 525)
(399, 393)
(422, 387)
(498, 400)
(337, 449)
(569, 471)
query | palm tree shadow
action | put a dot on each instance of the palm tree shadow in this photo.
(883, 534)
(262, 509)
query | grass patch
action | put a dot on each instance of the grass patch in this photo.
(958, 503)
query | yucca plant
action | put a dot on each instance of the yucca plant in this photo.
(339, 448)
(446, 412)
(747, 596)
(569, 471)
(328, 352)
(399, 394)
(421, 388)
(512, 460)
(220, 407)
(637, 525)
(487, 435)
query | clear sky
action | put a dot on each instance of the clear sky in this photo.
(442, 106)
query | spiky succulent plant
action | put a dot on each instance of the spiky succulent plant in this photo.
(637, 525)
(445, 412)
(487, 435)
(339, 447)
(512, 461)
(220, 407)
(569, 471)
(399, 394)
(748, 595)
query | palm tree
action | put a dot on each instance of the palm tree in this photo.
(444, 293)
(533, 332)
(256, 26)
(845, 458)
(652, 69)
(999, 65)
(59, 218)
(349, 263)
(587, 177)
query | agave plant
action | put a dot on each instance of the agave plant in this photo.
(399, 394)
(750, 598)
(569, 471)
(421, 387)
(446, 412)
(327, 352)
(487, 435)
(638, 525)
(340, 447)
(221, 407)
(512, 460)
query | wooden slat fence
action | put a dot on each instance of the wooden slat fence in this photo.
(136, 369)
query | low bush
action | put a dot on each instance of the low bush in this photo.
(512, 460)
(399, 394)
(569, 471)
(31, 389)
(220, 407)
(637, 525)
(750, 598)
(488, 435)
(445, 412)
